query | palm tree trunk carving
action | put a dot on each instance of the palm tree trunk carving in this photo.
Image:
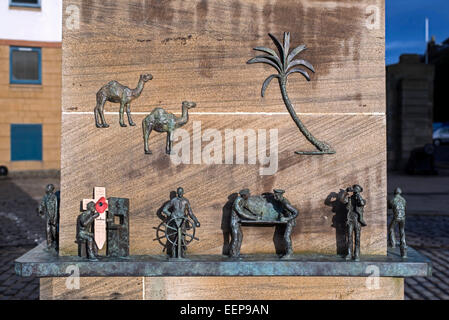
(285, 64)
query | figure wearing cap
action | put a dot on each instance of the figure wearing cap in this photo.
(355, 205)
(289, 215)
(238, 212)
(177, 209)
(49, 210)
(398, 204)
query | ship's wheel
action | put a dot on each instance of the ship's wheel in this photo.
(167, 232)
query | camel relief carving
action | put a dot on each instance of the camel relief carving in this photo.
(162, 121)
(115, 92)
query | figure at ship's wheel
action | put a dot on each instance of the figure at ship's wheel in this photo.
(179, 227)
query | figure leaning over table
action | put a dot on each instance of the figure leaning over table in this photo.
(354, 222)
(238, 212)
(289, 214)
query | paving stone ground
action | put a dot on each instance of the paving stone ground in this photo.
(427, 231)
(419, 230)
(13, 287)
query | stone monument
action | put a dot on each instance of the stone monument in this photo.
(197, 50)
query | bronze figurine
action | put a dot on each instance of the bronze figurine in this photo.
(238, 212)
(398, 204)
(179, 225)
(285, 65)
(163, 121)
(49, 210)
(115, 92)
(84, 233)
(354, 220)
(265, 210)
(116, 211)
(289, 216)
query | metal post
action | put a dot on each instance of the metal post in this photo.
(427, 40)
(179, 241)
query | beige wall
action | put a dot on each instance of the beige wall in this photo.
(32, 104)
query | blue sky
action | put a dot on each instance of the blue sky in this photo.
(405, 25)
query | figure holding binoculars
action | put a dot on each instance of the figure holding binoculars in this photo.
(354, 220)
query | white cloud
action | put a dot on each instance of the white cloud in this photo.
(393, 45)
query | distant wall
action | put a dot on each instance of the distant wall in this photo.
(439, 57)
(32, 24)
(409, 108)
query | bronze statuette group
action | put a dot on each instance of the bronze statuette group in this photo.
(117, 229)
(179, 224)
(267, 209)
(158, 120)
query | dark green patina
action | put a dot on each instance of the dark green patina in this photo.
(355, 205)
(115, 92)
(268, 209)
(178, 227)
(161, 121)
(117, 230)
(117, 227)
(398, 205)
(85, 234)
(49, 210)
(285, 64)
(40, 263)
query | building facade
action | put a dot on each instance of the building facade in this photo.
(438, 55)
(410, 88)
(30, 84)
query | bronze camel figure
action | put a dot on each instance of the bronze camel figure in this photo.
(163, 121)
(115, 92)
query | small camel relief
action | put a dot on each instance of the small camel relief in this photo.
(115, 92)
(162, 121)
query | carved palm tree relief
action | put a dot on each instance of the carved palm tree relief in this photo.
(286, 64)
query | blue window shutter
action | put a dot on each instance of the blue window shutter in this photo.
(26, 142)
